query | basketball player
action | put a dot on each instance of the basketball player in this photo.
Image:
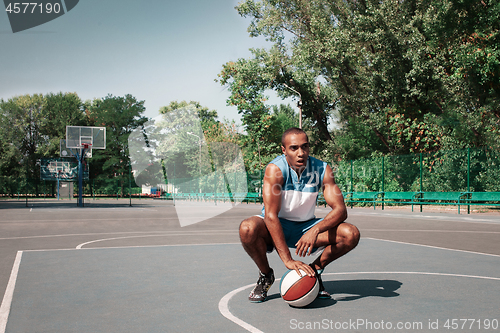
(290, 190)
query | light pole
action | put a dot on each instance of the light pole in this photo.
(299, 103)
(199, 142)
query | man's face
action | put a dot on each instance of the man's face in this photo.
(296, 150)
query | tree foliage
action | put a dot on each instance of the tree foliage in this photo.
(404, 76)
(188, 147)
(31, 127)
(120, 116)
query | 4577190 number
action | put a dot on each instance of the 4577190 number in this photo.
(469, 324)
(33, 8)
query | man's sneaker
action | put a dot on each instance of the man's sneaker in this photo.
(322, 294)
(259, 292)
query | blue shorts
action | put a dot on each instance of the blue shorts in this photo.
(294, 230)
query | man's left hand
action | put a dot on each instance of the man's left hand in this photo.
(306, 243)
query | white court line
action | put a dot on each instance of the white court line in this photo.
(224, 310)
(9, 293)
(131, 247)
(431, 230)
(433, 247)
(458, 218)
(117, 233)
(105, 220)
(142, 236)
(224, 230)
(224, 302)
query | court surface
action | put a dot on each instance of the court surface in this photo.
(109, 267)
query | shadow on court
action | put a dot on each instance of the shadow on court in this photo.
(356, 288)
(363, 288)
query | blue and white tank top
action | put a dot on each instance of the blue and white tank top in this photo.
(299, 194)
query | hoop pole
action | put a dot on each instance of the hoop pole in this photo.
(80, 183)
(80, 178)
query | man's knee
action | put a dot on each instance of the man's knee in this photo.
(350, 234)
(248, 230)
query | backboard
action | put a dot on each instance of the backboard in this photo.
(77, 136)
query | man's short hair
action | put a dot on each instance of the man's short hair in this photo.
(292, 130)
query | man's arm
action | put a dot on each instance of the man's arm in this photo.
(271, 193)
(338, 214)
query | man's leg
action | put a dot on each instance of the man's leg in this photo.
(255, 238)
(337, 241)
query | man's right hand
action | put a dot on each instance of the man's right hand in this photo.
(299, 265)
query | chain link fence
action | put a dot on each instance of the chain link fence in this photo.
(467, 170)
(124, 186)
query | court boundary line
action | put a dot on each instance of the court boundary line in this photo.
(224, 301)
(108, 219)
(434, 247)
(9, 292)
(441, 218)
(129, 247)
(222, 230)
(224, 309)
(80, 246)
(238, 243)
(436, 230)
(118, 233)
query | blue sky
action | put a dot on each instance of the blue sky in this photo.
(158, 51)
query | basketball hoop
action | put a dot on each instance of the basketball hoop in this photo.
(86, 146)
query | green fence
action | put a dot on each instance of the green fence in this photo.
(468, 170)
(453, 171)
(46, 188)
(468, 177)
(216, 182)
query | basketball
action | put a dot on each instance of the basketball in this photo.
(298, 291)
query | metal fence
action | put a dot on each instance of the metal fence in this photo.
(467, 170)
(125, 186)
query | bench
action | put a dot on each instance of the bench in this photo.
(479, 198)
(222, 196)
(255, 197)
(436, 198)
(399, 198)
(363, 197)
(181, 196)
(208, 196)
(239, 196)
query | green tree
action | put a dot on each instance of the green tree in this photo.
(465, 42)
(22, 119)
(288, 76)
(59, 110)
(409, 76)
(31, 127)
(205, 115)
(120, 116)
